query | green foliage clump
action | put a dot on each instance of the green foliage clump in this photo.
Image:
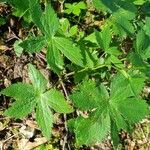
(108, 64)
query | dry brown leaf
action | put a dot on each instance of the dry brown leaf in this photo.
(24, 144)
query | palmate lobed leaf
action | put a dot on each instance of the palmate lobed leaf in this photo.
(48, 23)
(119, 107)
(21, 9)
(133, 109)
(28, 97)
(131, 85)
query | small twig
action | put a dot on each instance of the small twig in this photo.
(65, 117)
(2, 143)
(10, 138)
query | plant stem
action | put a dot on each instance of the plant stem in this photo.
(85, 69)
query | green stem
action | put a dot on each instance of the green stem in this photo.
(85, 69)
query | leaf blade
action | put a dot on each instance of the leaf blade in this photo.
(57, 101)
(33, 44)
(44, 118)
(38, 80)
(69, 50)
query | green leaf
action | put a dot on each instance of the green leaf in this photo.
(19, 91)
(68, 48)
(44, 117)
(17, 48)
(74, 8)
(116, 110)
(25, 100)
(73, 30)
(142, 44)
(113, 6)
(87, 95)
(21, 9)
(36, 13)
(113, 51)
(89, 131)
(116, 115)
(56, 101)
(38, 80)
(33, 44)
(54, 58)
(104, 38)
(50, 21)
(2, 21)
(139, 2)
(21, 107)
(123, 27)
(139, 63)
(121, 22)
(105, 5)
(114, 134)
(134, 110)
(146, 27)
(130, 86)
(81, 5)
(117, 62)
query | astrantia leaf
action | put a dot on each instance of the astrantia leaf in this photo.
(83, 96)
(25, 99)
(133, 109)
(114, 134)
(117, 108)
(19, 91)
(121, 22)
(34, 44)
(130, 86)
(142, 44)
(68, 48)
(36, 13)
(116, 61)
(105, 5)
(116, 115)
(21, 107)
(21, 9)
(146, 27)
(104, 38)
(88, 95)
(49, 21)
(44, 117)
(54, 58)
(57, 101)
(89, 131)
(38, 80)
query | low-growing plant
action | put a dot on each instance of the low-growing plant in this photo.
(109, 65)
(113, 110)
(36, 97)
